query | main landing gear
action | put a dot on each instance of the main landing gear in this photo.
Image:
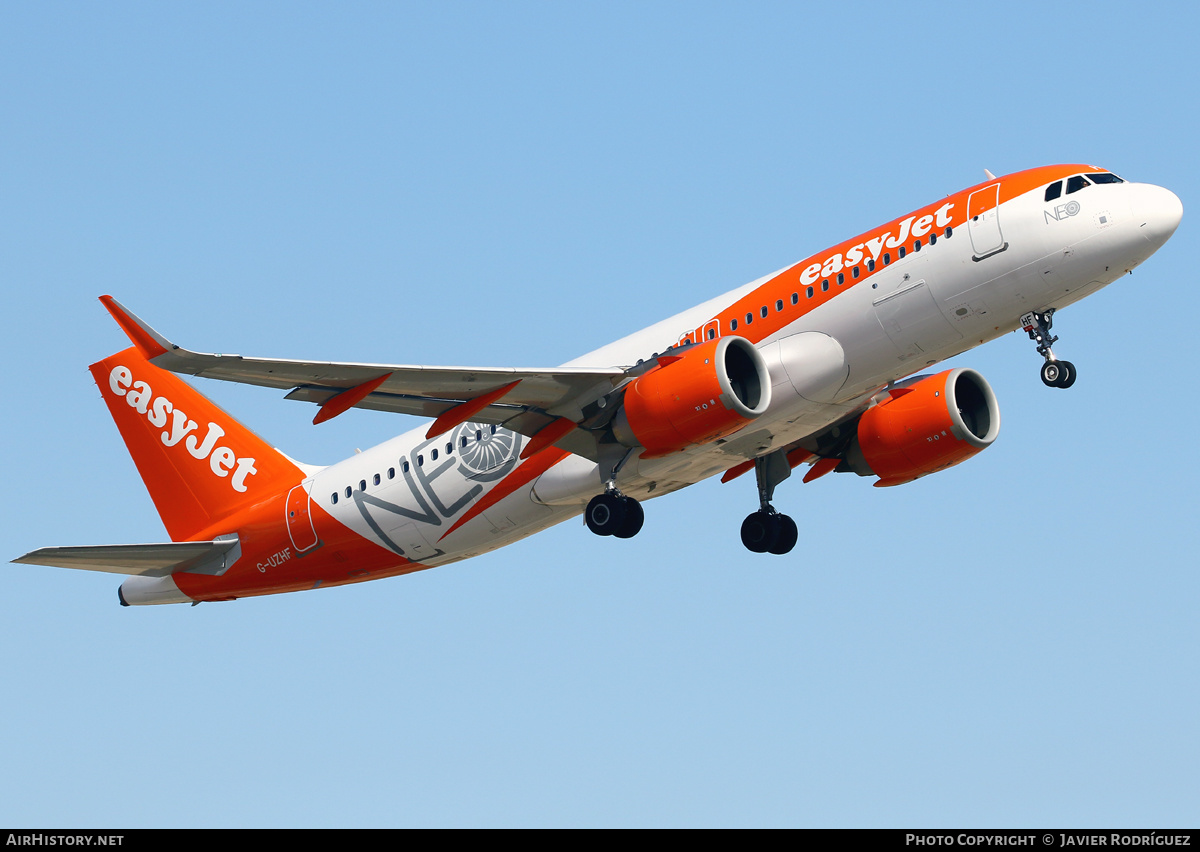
(1055, 373)
(768, 531)
(612, 513)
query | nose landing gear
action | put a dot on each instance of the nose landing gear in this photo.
(1058, 374)
(1055, 373)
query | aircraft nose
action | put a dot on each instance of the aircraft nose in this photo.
(1158, 212)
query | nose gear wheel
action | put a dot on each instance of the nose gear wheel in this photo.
(1055, 373)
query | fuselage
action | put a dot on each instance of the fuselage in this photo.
(834, 329)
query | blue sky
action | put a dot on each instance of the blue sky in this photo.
(1009, 643)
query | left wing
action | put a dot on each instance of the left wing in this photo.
(526, 401)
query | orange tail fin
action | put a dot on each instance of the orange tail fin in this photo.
(199, 464)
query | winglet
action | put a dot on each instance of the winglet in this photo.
(148, 341)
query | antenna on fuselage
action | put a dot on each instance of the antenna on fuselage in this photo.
(990, 176)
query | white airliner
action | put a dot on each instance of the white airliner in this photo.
(811, 365)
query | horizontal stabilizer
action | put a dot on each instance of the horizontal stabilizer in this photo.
(146, 560)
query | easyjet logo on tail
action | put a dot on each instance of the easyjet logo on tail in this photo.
(222, 461)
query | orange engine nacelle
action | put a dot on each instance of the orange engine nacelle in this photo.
(928, 426)
(707, 392)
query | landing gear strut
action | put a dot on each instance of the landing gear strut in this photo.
(768, 531)
(612, 513)
(1055, 373)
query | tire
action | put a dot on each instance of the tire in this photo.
(758, 532)
(605, 514)
(1070, 375)
(1052, 374)
(634, 517)
(786, 535)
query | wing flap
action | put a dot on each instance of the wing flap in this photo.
(145, 560)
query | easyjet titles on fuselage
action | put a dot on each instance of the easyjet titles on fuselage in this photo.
(916, 227)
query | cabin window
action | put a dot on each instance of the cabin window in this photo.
(432, 455)
(871, 265)
(932, 237)
(887, 258)
(854, 272)
(1054, 190)
(420, 461)
(449, 448)
(824, 285)
(1076, 183)
(712, 332)
(764, 311)
(391, 473)
(841, 278)
(349, 491)
(779, 304)
(749, 318)
(809, 292)
(494, 427)
(733, 325)
(404, 466)
(462, 442)
(900, 251)
(377, 479)
(795, 298)
(362, 485)
(949, 232)
(333, 498)
(916, 245)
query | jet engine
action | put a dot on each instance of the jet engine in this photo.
(928, 426)
(703, 393)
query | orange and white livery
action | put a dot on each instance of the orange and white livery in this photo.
(813, 365)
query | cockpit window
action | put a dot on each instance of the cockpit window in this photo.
(1076, 183)
(1054, 190)
(1105, 177)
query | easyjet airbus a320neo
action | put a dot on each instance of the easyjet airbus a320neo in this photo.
(812, 365)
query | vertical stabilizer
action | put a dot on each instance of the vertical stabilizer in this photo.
(199, 464)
